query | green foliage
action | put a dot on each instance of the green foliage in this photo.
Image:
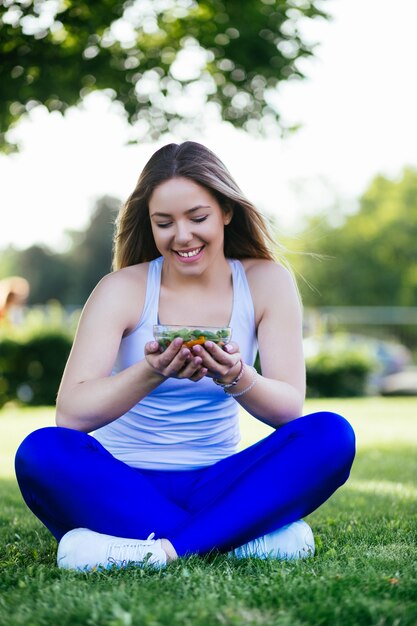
(40, 321)
(30, 371)
(90, 256)
(337, 371)
(333, 373)
(57, 53)
(371, 258)
(8, 262)
(48, 273)
(33, 356)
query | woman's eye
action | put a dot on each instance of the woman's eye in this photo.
(164, 225)
(199, 219)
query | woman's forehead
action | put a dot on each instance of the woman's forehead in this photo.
(180, 194)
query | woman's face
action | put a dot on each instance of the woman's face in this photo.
(187, 224)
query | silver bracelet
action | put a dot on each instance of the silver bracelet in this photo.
(234, 382)
(248, 388)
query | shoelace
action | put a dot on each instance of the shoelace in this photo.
(124, 553)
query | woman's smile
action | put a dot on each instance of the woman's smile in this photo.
(190, 255)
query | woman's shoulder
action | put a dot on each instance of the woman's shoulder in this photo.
(132, 272)
(264, 269)
(269, 281)
(128, 283)
(125, 277)
(122, 293)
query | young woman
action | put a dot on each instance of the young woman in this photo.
(159, 477)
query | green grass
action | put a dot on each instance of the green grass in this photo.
(364, 571)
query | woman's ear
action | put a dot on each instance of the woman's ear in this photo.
(228, 214)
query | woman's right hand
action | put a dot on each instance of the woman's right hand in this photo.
(176, 361)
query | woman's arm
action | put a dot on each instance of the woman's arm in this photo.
(89, 397)
(278, 395)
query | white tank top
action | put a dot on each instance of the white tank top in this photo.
(181, 424)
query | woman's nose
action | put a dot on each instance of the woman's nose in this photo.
(183, 233)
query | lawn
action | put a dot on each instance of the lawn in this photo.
(364, 571)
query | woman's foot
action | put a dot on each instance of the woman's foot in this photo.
(293, 541)
(85, 550)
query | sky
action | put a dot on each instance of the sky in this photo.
(357, 110)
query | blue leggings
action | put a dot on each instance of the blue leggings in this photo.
(70, 481)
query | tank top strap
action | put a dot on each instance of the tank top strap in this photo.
(243, 314)
(153, 285)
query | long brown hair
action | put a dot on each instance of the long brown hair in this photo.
(246, 236)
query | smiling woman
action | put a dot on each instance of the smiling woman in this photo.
(192, 233)
(190, 250)
(209, 184)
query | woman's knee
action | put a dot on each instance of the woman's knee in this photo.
(39, 449)
(323, 429)
(336, 430)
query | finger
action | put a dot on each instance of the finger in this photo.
(216, 369)
(207, 359)
(173, 366)
(220, 355)
(215, 353)
(151, 347)
(199, 374)
(231, 347)
(175, 346)
(167, 362)
(218, 362)
(191, 370)
(175, 353)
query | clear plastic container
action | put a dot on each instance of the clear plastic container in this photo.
(191, 335)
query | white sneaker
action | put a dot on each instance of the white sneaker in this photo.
(83, 549)
(293, 541)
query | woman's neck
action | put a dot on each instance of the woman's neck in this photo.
(206, 299)
(208, 278)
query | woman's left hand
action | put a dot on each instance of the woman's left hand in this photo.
(221, 363)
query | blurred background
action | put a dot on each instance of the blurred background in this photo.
(312, 106)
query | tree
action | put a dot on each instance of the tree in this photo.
(68, 277)
(46, 271)
(90, 256)
(56, 53)
(371, 258)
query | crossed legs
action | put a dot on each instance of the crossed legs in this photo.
(70, 481)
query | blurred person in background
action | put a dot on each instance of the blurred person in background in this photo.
(14, 292)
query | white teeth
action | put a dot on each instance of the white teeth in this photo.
(188, 254)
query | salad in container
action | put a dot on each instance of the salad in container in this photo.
(191, 335)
